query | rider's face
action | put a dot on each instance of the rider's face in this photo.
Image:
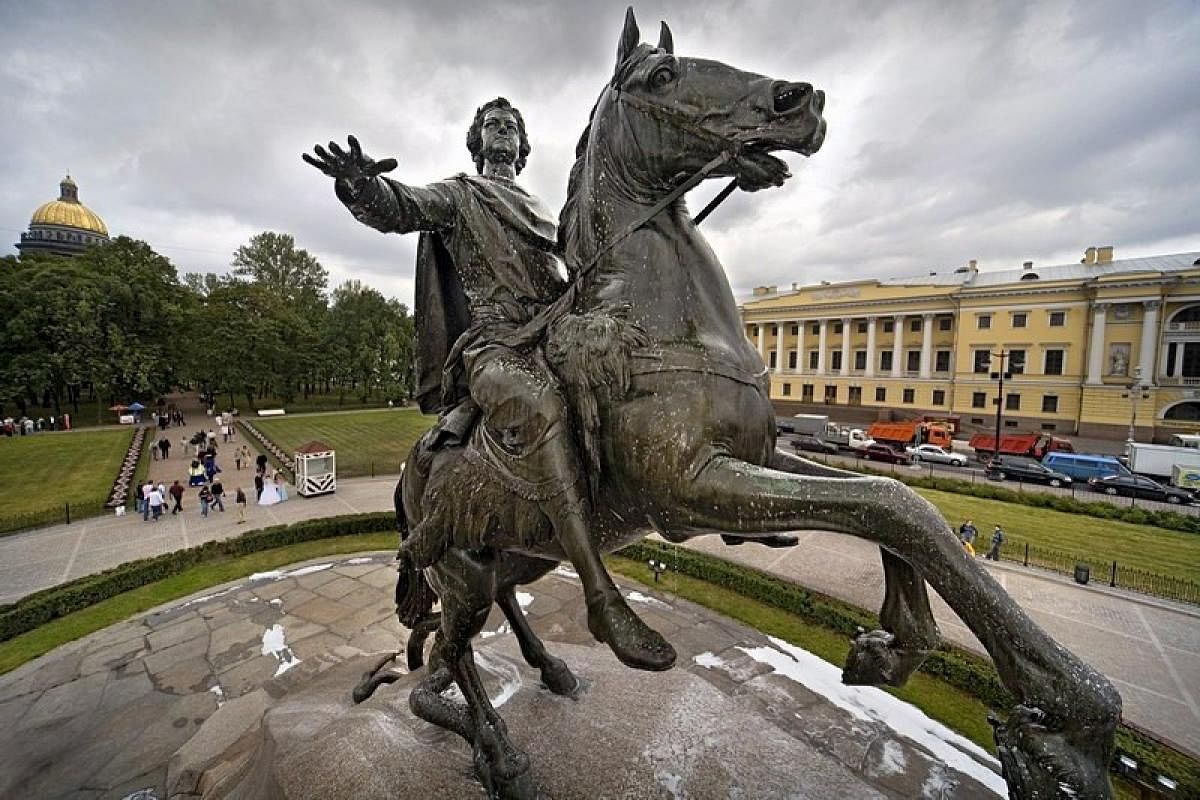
(501, 137)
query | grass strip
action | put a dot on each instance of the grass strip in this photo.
(222, 569)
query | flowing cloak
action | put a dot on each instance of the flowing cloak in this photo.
(485, 266)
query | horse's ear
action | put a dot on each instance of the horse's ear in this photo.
(630, 37)
(666, 42)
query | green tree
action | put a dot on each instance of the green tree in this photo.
(272, 261)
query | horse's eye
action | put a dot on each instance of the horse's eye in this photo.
(661, 77)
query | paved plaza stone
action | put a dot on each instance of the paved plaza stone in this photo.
(244, 691)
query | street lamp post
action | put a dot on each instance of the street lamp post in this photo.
(1015, 362)
(1133, 390)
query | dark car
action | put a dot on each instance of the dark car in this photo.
(1143, 488)
(1021, 469)
(811, 444)
(887, 453)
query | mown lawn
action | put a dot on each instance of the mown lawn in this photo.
(1098, 541)
(40, 474)
(366, 442)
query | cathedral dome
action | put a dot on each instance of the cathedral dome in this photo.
(68, 212)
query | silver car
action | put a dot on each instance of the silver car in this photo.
(935, 455)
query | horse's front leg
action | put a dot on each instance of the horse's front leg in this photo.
(1061, 732)
(907, 631)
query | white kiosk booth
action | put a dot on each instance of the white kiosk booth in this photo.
(315, 469)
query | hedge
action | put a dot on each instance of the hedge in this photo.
(959, 668)
(49, 604)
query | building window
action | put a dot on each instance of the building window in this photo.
(1012, 402)
(1016, 362)
(835, 360)
(889, 325)
(774, 330)
(941, 361)
(860, 359)
(939, 397)
(1019, 320)
(885, 361)
(772, 358)
(978, 400)
(814, 359)
(806, 392)
(880, 394)
(1054, 362)
(837, 327)
(754, 330)
(1010, 423)
(909, 396)
(816, 329)
(792, 356)
(983, 360)
(915, 326)
(795, 330)
(855, 396)
(1049, 426)
(862, 327)
(830, 394)
(1049, 404)
(1057, 319)
(913, 362)
(984, 321)
(787, 389)
(976, 420)
(945, 323)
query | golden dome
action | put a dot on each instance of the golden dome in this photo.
(68, 212)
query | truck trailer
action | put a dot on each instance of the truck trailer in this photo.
(1026, 445)
(1159, 461)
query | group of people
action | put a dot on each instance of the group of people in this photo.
(26, 426)
(967, 533)
(152, 499)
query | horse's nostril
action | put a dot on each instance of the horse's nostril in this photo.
(819, 101)
(790, 96)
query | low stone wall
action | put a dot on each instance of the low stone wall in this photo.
(120, 488)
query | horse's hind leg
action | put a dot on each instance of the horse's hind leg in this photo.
(557, 677)
(1062, 730)
(907, 632)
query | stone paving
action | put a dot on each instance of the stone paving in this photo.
(243, 691)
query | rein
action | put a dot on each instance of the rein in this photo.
(531, 331)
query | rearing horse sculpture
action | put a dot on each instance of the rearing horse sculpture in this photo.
(674, 408)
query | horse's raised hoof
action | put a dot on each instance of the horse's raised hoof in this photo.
(876, 659)
(558, 678)
(633, 642)
(1040, 762)
(775, 540)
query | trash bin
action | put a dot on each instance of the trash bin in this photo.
(1082, 573)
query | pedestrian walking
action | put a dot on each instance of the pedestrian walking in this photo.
(967, 533)
(237, 458)
(205, 498)
(281, 486)
(156, 503)
(997, 540)
(176, 492)
(258, 485)
(218, 495)
(240, 500)
(147, 488)
(164, 446)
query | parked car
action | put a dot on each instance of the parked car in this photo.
(1143, 488)
(936, 455)
(1084, 466)
(811, 444)
(1023, 469)
(886, 453)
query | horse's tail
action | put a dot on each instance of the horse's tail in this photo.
(414, 595)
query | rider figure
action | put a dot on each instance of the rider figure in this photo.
(486, 239)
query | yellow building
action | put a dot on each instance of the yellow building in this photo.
(1089, 346)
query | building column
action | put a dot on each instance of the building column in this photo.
(762, 341)
(1149, 343)
(845, 370)
(870, 373)
(800, 326)
(898, 346)
(1175, 357)
(822, 342)
(927, 346)
(1095, 373)
(779, 362)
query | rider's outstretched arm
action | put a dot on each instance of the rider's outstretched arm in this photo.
(393, 207)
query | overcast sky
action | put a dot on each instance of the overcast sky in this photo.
(997, 131)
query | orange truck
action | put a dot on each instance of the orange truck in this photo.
(1029, 445)
(909, 433)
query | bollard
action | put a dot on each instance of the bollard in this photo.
(372, 469)
(68, 505)
(1026, 563)
(1112, 578)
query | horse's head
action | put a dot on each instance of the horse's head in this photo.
(676, 114)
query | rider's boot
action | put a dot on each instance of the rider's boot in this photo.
(610, 619)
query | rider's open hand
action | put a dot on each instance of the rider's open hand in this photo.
(351, 166)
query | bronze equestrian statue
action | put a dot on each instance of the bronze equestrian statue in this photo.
(643, 365)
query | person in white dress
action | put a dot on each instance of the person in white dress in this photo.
(270, 494)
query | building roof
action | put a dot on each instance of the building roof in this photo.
(68, 212)
(315, 446)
